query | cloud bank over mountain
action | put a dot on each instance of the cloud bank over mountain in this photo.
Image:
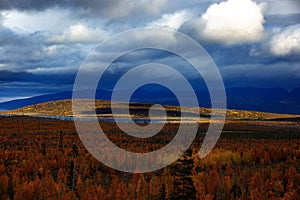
(43, 43)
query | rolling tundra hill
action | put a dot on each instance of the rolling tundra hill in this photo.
(63, 108)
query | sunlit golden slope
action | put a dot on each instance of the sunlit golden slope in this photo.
(64, 108)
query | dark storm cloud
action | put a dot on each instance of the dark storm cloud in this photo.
(278, 74)
(245, 54)
(33, 4)
(5, 4)
(282, 20)
(24, 84)
(22, 76)
(31, 51)
(7, 37)
(40, 5)
(10, 76)
(86, 8)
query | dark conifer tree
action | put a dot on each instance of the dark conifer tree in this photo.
(10, 189)
(61, 141)
(43, 149)
(162, 195)
(71, 178)
(183, 184)
(75, 150)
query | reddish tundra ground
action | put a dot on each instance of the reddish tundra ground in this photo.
(44, 159)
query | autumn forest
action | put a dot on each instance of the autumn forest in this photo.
(42, 158)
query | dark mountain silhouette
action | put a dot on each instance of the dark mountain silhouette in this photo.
(266, 100)
(18, 103)
(276, 100)
(295, 94)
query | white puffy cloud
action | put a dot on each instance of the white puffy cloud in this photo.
(173, 20)
(80, 33)
(31, 22)
(286, 41)
(51, 70)
(229, 22)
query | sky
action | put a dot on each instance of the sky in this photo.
(43, 43)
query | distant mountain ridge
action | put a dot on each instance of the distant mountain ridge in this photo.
(275, 100)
